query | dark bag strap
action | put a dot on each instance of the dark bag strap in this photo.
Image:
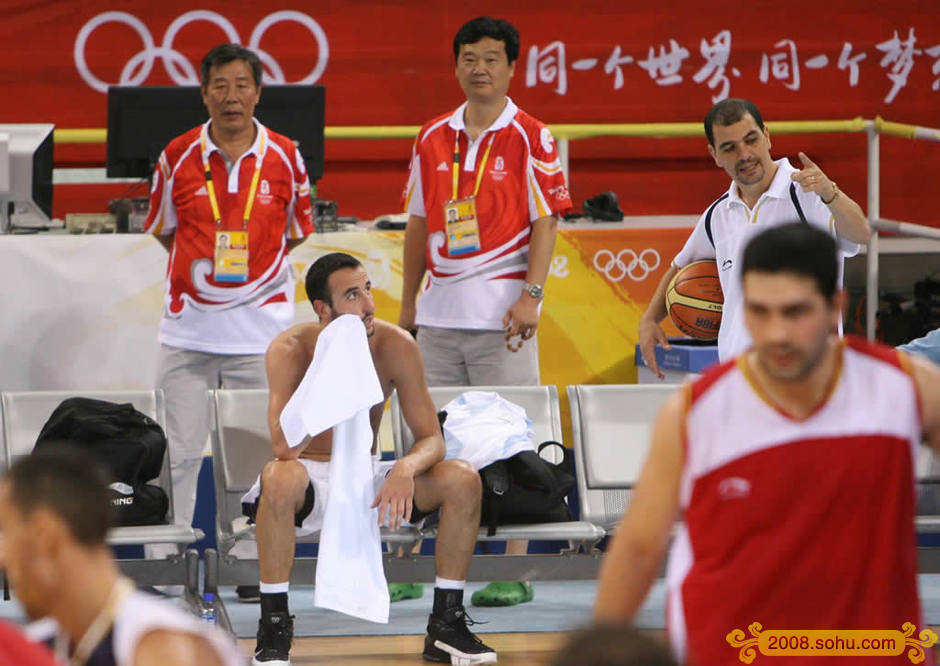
(564, 481)
(567, 462)
(796, 203)
(708, 218)
(495, 477)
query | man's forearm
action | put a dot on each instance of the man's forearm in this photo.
(541, 248)
(425, 453)
(624, 582)
(656, 310)
(850, 220)
(414, 258)
(279, 446)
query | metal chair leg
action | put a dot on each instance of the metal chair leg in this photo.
(211, 579)
(191, 588)
(211, 585)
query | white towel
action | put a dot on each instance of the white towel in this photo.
(336, 392)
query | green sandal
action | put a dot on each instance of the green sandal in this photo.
(402, 591)
(503, 594)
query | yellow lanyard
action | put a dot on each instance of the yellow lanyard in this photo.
(210, 188)
(456, 169)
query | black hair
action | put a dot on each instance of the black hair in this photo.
(317, 282)
(70, 482)
(728, 112)
(483, 26)
(226, 53)
(795, 248)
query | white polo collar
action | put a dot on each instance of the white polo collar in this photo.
(253, 150)
(505, 118)
(779, 186)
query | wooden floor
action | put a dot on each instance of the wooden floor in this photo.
(513, 649)
(535, 649)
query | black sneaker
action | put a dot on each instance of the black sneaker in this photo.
(449, 641)
(249, 594)
(275, 633)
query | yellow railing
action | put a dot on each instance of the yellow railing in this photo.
(561, 131)
(584, 131)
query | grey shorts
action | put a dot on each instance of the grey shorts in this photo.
(462, 357)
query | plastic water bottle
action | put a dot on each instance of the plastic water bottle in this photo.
(207, 614)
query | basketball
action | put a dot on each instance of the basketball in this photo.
(694, 299)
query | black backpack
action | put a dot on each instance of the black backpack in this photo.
(526, 488)
(130, 444)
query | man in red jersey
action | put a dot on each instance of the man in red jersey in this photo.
(483, 196)
(792, 466)
(230, 199)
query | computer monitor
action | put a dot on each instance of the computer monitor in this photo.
(25, 176)
(143, 119)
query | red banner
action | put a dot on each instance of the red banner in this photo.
(391, 63)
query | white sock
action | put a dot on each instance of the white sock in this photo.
(448, 584)
(274, 588)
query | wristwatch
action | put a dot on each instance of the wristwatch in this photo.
(533, 290)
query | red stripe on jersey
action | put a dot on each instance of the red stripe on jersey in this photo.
(520, 275)
(883, 353)
(709, 377)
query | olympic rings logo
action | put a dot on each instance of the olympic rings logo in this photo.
(180, 70)
(637, 269)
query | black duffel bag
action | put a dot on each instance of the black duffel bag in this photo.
(131, 445)
(526, 488)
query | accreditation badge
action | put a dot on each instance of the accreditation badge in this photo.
(231, 256)
(463, 231)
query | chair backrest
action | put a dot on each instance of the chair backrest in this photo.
(25, 412)
(539, 402)
(927, 465)
(241, 445)
(611, 425)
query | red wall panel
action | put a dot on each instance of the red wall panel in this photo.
(391, 63)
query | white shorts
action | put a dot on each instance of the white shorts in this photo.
(309, 520)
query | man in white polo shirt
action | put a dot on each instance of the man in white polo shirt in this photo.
(764, 193)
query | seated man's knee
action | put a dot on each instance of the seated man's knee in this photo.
(462, 480)
(283, 482)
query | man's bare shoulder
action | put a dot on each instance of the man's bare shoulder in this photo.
(393, 341)
(163, 646)
(299, 339)
(393, 333)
